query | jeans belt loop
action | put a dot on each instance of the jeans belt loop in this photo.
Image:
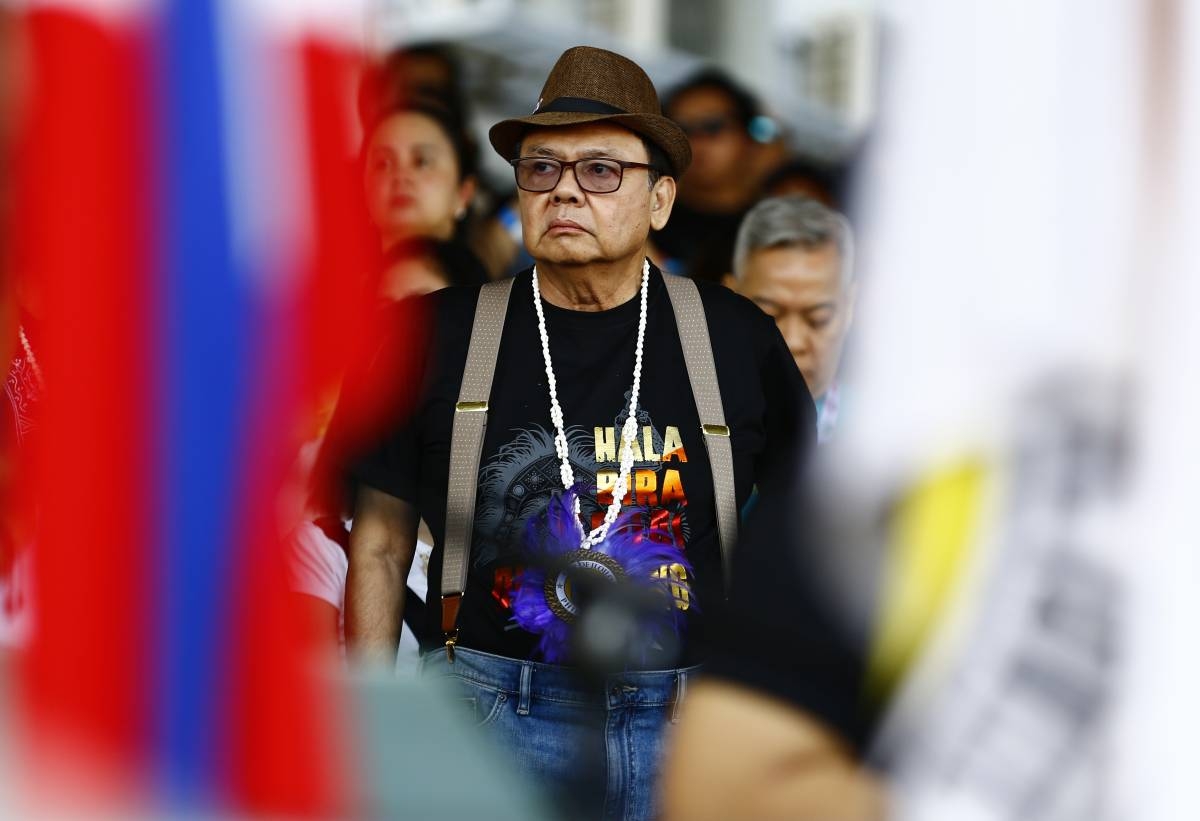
(526, 682)
(680, 692)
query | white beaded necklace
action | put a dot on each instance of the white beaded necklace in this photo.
(628, 432)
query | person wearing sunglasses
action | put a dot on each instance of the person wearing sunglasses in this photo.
(718, 116)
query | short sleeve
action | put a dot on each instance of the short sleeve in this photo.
(393, 466)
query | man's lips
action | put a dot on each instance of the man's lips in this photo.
(561, 226)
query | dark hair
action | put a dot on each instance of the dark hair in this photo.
(439, 51)
(745, 104)
(660, 165)
(384, 84)
(466, 150)
(827, 178)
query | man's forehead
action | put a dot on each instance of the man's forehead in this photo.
(600, 139)
(815, 265)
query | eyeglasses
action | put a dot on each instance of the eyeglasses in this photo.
(596, 175)
(706, 127)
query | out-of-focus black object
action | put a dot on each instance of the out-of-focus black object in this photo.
(608, 636)
(784, 631)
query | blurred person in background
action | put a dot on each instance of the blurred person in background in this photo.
(717, 115)
(1029, 494)
(425, 70)
(418, 179)
(794, 258)
(777, 726)
(434, 71)
(799, 175)
(596, 164)
(420, 79)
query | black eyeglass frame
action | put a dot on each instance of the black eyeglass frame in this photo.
(563, 165)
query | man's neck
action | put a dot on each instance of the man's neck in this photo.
(592, 287)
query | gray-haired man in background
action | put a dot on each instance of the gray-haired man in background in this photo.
(795, 258)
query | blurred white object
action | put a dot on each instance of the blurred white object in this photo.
(317, 566)
(1028, 212)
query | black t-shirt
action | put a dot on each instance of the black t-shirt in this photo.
(766, 403)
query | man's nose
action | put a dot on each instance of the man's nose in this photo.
(567, 189)
(795, 334)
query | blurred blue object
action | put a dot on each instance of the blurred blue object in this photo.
(424, 760)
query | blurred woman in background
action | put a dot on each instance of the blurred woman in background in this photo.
(418, 171)
(418, 176)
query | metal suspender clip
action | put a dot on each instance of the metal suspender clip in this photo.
(450, 603)
(716, 430)
(471, 407)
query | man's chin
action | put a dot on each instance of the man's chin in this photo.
(561, 254)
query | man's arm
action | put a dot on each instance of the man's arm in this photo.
(382, 543)
(738, 753)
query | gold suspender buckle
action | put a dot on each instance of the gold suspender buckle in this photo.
(451, 642)
(715, 430)
(471, 407)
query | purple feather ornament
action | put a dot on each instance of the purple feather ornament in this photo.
(630, 555)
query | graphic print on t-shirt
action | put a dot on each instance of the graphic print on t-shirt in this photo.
(516, 485)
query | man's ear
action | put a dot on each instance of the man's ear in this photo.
(662, 199)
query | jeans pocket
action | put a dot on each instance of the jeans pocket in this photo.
(498, 700)
(483, 705)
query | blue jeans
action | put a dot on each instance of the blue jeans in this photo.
(595, 747)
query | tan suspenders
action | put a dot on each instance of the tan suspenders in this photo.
(470, 423)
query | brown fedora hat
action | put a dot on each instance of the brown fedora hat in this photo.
(591, 85)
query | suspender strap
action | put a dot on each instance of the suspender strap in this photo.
(466, 442)
(702, 373)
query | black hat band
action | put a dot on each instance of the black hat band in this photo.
(578, 105)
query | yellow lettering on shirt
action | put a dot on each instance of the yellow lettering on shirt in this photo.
(676, 573)
(673, 445)
(637, 448)
(646, 484)
(648, 445)
(606, 445)
(672, 487)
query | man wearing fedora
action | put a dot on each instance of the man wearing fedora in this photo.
(581, 533)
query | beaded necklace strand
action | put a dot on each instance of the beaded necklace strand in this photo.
(628, 431)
